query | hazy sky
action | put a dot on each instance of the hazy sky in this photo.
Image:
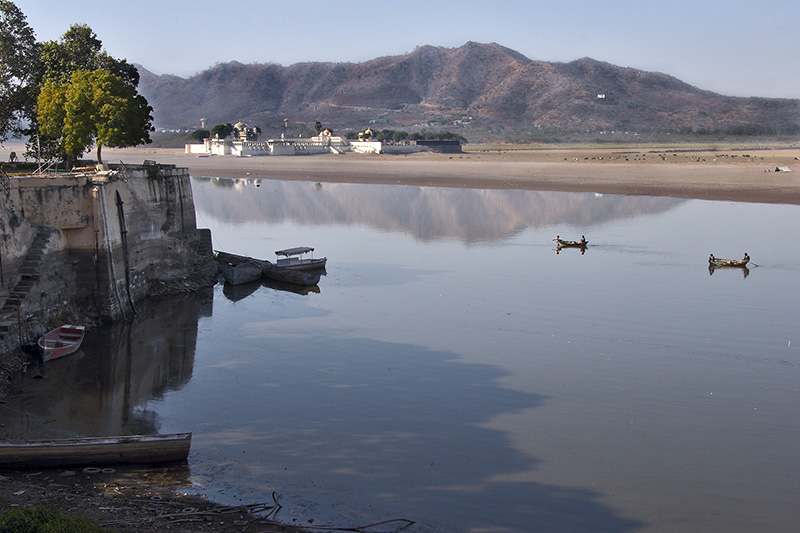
(736, 47)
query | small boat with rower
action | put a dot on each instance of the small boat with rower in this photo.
(716, 262)
(294, 259)
(574, 244)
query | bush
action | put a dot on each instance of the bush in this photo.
(43, 520)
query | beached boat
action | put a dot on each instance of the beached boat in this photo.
(718, 262)
(294, 259)
(273, 271)
(242, 273)
(562, 243)
(58, 453)
(62, 341)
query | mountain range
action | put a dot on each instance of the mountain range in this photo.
(476, 85)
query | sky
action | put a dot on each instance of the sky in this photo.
(735, 48)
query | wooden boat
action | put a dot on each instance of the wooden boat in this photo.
(562, 243)
(293, 259)
(86, 451)
(272, 271)
(716, 262)
(287, 275)
(242, 273)
(60, 342)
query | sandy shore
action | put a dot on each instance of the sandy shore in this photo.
(715, 175)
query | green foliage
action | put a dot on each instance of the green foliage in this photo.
(43, 520)
(387, 135)
(18, 52)
(94, 107)
(200, 134)
(80, 49)
(222, 130)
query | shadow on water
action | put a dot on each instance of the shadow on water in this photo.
(354, 416)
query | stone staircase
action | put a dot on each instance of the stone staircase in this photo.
(28, 276)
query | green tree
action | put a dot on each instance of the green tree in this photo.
(318, 127)
(200, 134)
(18, 53)
(222, 130)
(78, 49)
(94, 107)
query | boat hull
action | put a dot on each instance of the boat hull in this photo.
(137, 449)
(719, 263)
(61, 341)
(242, 273)
(273, 271)
(572, 244)
(287, 275)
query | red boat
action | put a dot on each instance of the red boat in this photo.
(62, 341)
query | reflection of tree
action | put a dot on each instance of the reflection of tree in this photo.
(428, 213)
(100, 390)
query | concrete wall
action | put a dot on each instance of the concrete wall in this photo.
(106, 239)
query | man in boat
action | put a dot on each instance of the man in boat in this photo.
(711, 258)
(583, 239)
(746, 257)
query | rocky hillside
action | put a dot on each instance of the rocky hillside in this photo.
(478, 83)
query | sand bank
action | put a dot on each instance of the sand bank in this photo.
(704, 174)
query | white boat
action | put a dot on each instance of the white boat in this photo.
(293, 258)
(62, 341)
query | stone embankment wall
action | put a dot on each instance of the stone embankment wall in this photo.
(87, 246)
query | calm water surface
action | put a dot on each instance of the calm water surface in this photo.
(453, 369)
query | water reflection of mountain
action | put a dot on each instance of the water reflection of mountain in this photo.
(427, 213)
(101, 389)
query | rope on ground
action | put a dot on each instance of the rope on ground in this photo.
(363, 529)
(190, 514)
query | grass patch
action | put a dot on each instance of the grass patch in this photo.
(43, 520)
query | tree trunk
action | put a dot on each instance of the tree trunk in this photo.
(99, 158)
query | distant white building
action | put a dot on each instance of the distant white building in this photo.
(245, 143)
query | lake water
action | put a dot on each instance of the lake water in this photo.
(452, 368)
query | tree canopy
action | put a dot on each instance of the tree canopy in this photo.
(94, 107)
(222, 130)
(18, 52)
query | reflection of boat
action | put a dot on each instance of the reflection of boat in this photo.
(717, 262)
(712, 268)
(96, 451)
(272, 271)
(290, 287)
(564, 244)
(293, 258)
(242, 273)
(235, 293)
(64, 340)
